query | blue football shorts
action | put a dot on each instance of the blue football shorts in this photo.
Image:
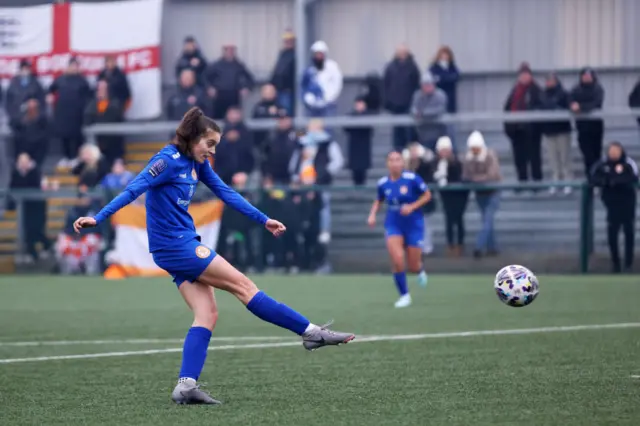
(413, 235)
(185, 261)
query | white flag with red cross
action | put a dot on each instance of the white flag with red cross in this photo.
(49, 35)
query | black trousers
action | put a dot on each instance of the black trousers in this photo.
(526, 144)
(359, 177)
(454, 204)
(613, 230)
(590, 143)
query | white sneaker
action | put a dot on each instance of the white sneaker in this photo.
(567, 190)
(403, 301)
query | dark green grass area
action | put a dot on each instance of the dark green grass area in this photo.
(550, 378)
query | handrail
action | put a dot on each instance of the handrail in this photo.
(383, 120)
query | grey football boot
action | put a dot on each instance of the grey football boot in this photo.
(188, 392)
(323, 336)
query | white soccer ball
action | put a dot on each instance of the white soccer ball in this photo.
(516, 286)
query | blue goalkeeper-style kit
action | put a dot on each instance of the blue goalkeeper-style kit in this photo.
(170, 180)
(405, 190)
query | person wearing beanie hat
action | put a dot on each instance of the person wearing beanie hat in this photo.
(283, 76)
(525, 137)
(481, 166)
(428, 104)
(321, 82)
(448, 170)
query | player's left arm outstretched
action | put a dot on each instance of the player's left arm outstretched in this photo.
(236, 201)
(407, 209)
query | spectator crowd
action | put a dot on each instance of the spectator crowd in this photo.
(287, 156)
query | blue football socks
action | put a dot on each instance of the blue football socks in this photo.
(194, 352)
(277, 313)
(400, 279)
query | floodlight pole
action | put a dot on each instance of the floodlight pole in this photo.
(300, 25)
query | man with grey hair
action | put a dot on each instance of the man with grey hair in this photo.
(428, 104)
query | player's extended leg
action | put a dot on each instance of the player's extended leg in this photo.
(395, 247)
(202, 302)
(222, 275)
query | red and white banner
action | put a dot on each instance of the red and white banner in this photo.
(49, 35)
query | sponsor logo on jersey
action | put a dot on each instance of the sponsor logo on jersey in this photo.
(158, 167)
(403, 189)
(176, 156)
(203, 252)
(194, 175)
(183, 175)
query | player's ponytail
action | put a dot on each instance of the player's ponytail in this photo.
(193, 126)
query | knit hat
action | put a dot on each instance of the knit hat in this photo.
(476, 140)
(319, 46)
(444, 142)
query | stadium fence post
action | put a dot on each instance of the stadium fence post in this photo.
(586, 227)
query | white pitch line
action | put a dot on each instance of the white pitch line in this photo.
(635, 376)
(135, 341)
(359, 340)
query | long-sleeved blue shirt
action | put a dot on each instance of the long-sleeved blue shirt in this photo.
(170, 180)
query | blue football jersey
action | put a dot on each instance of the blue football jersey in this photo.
(170, 180)
(405, 190)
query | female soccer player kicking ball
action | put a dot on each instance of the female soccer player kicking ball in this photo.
(170, 180)
(405, 194)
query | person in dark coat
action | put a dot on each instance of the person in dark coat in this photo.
(228, 82)
(617, 175)
(70, 94)
(31, 132)
(27, 176)
(557, 133)
(588, 96)
(105, 109)
(22, 87)
(634, 98)
(446, 75)
(278, 151)
(117, 80)
(447, 170)
(267, 107)
(283, 76)
(187, 95)
(370, 91)
(525, 137)
(192, 59)
(401, 80)
(234, 153)
(359, 144)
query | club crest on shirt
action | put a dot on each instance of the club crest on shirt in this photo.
(158, 167)
(194, 175)
(203, 252)
(403, 189)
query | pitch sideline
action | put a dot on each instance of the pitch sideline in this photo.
(363, 339)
